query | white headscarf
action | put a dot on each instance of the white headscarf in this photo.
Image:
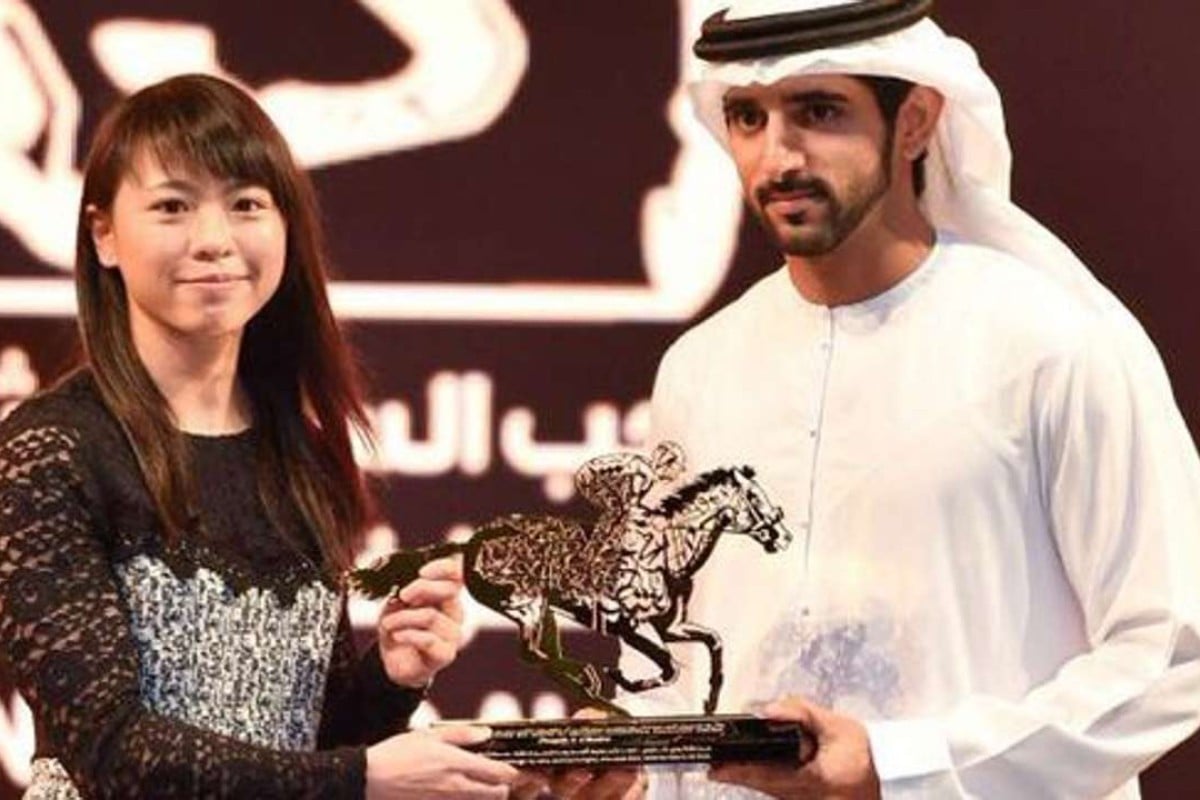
(969, 163)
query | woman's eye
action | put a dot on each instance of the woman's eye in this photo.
(170, 205)
(248, 204)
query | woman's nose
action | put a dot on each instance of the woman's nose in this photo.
(212, 237)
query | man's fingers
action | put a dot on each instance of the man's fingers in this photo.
(765, 778)
(578, 783)
(793, 708)
(638, 790)
(613, 783)
(530, 785)
(567, 783)
(730, 773)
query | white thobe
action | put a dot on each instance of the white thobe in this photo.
(996, 520)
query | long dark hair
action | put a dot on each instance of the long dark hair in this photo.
(301, 379)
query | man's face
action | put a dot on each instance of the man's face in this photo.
(812, 154)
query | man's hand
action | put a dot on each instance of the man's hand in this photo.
(608, 783)
(841, 769)
(420, 629)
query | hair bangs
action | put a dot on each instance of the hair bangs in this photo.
(206, 129)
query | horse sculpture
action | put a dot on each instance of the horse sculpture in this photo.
(629, 576)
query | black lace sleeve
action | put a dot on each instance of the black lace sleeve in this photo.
(65, 640)
(362, 705)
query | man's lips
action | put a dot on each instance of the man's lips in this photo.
(794, 193)
(794, 199)
(794, 206)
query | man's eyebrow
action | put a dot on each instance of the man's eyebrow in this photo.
(735, 100)
(816, 96)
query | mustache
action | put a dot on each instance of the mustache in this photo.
(792, 184)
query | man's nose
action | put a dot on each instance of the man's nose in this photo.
(783, 147)
(212, 237)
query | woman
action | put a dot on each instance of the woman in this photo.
(175, 515)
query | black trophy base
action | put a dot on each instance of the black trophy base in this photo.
(645, 740)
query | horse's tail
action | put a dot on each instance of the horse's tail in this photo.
(397, 570)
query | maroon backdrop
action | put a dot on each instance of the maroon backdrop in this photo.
(549, 190)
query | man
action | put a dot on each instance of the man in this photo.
(996, 501)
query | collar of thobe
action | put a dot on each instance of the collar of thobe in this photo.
(873, 312)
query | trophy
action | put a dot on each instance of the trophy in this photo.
(628, 575)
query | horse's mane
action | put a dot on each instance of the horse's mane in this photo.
(676, 501)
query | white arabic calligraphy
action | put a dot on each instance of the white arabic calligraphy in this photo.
(459, 417)
(460, 422)
(688, 225)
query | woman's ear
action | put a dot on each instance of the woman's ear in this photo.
(101, 227)
(916, 121)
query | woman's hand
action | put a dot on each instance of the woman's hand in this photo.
(432, 764)
(420, 629)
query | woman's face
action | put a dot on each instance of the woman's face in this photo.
(199, 255)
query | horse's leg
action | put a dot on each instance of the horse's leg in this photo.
(530, 633)
(659, 655)
(580, 677)
(677, 628)
(549, 641)
(541, 644)
(683, 631)
(579, 673)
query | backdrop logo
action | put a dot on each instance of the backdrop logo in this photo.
(469, 58)
(471, 420)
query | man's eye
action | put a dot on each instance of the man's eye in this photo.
(822, 112)
(745, 118)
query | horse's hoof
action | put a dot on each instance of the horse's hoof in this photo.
(616, 676)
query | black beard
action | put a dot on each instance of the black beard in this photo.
(843, 217)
